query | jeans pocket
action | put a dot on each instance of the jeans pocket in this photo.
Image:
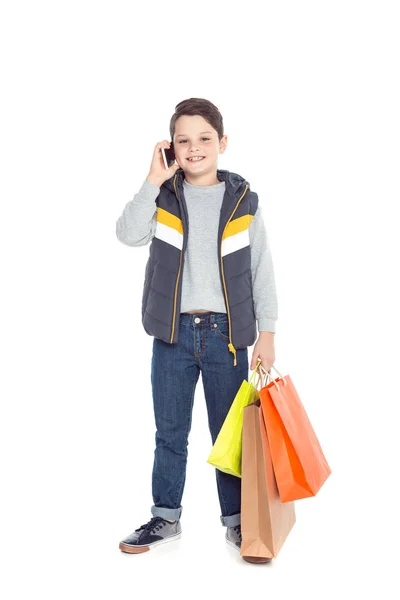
(223, 330)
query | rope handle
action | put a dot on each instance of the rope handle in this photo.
(260, 376)
(268, 374)
(253, 375)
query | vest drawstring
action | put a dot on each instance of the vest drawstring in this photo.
(232, 349)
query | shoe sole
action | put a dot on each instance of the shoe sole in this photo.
(139, 549)
(232, 544)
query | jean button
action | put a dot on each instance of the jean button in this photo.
(197, 320)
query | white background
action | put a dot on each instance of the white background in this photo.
(309, 92)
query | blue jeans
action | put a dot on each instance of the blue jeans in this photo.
(175, 369)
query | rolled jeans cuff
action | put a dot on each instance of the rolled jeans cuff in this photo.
(173, 514)
(230, 520)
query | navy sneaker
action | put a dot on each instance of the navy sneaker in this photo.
(233, 536)
(157, 531)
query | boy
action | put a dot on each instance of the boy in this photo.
(208, 279)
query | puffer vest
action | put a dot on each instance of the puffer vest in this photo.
(162, 288)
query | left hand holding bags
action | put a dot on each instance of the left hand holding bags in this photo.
(264, 351)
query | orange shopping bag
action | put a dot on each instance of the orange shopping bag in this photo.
(299, 464)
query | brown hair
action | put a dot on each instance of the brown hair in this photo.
(198, 106)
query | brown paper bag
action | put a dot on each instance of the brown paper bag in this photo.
(265, 520)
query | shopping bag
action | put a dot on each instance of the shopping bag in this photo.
(226, 453)
(299, 463)
(265, 520)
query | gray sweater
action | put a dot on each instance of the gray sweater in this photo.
(201, 283)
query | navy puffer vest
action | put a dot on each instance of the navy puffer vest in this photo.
(162, 288)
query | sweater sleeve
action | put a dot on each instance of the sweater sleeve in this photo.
(137, 224)
(262, 269)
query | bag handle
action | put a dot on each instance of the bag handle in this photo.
(265, 375)
(260, 377)
(252, 378)
(268, 374)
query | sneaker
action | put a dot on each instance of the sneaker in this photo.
(157, 531)
(233, 536)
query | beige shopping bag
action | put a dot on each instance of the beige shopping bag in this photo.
(265, 520)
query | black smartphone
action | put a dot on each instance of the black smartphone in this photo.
(168, 156)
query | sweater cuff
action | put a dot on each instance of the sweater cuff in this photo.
(265, 324)
(149, 191)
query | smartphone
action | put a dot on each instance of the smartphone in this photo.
(168, 155)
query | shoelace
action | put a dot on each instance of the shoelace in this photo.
(153, 525)
(238, 530)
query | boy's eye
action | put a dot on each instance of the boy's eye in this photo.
(204, 138)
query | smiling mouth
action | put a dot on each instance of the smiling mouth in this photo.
(195, 159)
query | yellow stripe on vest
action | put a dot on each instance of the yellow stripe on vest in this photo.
(236, 235)
(165, 217)
(238, 225)
(169, 228)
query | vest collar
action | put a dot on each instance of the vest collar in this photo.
(234, 183)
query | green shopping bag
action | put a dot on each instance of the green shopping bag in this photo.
(226, 454)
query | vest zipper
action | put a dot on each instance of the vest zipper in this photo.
(230, 345)
(177, 279)
(176, 291)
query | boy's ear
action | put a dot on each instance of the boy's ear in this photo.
(223, 144)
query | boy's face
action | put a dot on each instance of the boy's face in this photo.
(194, 136)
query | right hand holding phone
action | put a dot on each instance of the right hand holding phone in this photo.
(158, 173)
